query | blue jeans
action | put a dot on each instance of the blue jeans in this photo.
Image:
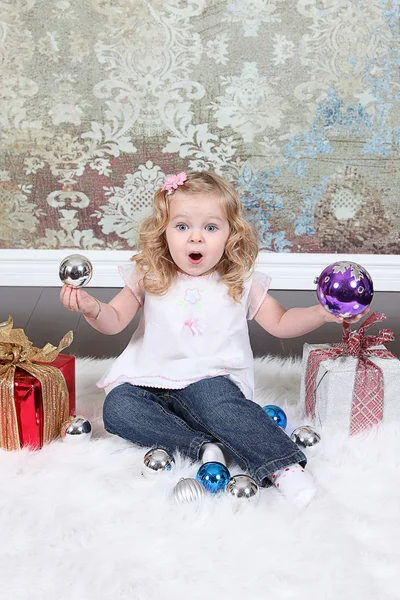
(209, 410)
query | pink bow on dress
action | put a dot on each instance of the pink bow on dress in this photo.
(192, 324)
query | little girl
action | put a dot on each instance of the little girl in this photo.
(185, 381)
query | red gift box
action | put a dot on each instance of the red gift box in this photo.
(28, 400)
(37, 389)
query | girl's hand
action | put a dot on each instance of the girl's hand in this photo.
(76, 300)
(329, 318)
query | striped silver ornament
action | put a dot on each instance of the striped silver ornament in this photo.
(189, 491)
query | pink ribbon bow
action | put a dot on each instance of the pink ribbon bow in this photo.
(368, 393)
(173, 181)
(192, 324)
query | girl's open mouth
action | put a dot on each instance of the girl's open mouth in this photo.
(195, 258)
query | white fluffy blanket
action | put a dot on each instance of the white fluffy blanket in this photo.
(80, 523)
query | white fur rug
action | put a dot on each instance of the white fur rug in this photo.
(81, 523)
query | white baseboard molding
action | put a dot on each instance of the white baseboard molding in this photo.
(39, 268)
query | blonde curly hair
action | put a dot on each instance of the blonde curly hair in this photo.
(154, 260)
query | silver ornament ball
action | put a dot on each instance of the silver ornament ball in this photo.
(305, 436)
(75, 270)
(189, 491)
(155, 461)
(76, 429)
(243, 490)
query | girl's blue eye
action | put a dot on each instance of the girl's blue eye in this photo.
(181, 227)
(211, 227)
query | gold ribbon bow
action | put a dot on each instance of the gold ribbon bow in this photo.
(17, 351)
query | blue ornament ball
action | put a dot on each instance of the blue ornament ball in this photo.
(214, 476)
(277, 414)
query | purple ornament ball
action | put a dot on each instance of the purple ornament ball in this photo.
(345, 289)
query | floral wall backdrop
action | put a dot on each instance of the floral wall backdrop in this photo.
(295, 101)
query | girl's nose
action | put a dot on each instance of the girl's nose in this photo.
(196, 236)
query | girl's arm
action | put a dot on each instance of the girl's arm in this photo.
(282, 323)
(108, 318)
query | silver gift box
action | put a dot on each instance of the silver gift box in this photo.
(335, 385)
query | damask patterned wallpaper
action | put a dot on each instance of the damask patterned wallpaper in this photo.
(295, 101)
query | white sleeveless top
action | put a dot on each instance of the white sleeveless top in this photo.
(192, 332)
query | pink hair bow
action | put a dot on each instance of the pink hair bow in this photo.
(173, 181)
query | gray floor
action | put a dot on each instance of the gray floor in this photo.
(39, 312)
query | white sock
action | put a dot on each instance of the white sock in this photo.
(295, 484)
(212, 453)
